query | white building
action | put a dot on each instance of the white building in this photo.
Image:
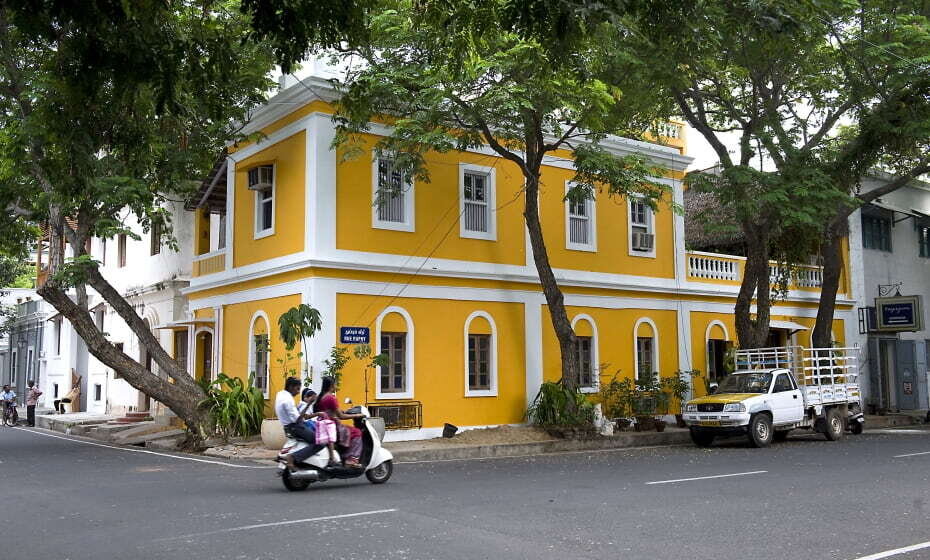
(150, 275)
(890, 254)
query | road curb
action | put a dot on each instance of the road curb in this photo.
(620, 441)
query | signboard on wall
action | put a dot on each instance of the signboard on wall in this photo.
(353, 335)
(899, 313)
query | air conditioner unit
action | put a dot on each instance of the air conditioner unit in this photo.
(643, 241)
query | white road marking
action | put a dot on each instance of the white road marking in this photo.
(912, 454)
(279, 523)
(913, 432)
(706, 477)
(895, 552)
(130, 449)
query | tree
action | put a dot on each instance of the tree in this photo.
(448, 78)
(784, 76)
(109, 108)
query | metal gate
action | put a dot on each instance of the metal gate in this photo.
(906, 375)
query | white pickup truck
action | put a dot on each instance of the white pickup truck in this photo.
(776, 390)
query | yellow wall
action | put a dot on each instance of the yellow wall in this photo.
(236, 320)
(616, 352)
(289, 158)
(439, 369)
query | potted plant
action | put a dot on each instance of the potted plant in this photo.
(678, 389)
(614, 397)
(562, 410)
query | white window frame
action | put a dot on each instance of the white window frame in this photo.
(591, 206)
(408, 355)
(409, 194)
(492, 371)
(30, 358)
(651, 228)
(251, 346)
(14, 366)
(655, 347)
(256, 201)
(57, 340)
(595, 353)
(491, 185)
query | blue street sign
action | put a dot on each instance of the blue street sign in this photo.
(899, 313)
(353, 335)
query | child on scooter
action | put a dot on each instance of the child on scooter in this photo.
(326, 434)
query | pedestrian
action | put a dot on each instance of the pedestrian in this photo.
(32, 397)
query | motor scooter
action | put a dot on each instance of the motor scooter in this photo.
(377, 462)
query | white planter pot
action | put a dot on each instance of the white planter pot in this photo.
(272, 434)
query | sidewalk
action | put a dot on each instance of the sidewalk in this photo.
(469, 445)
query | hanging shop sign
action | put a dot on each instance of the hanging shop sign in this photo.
(899, 313)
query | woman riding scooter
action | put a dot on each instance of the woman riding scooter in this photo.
(349, 437)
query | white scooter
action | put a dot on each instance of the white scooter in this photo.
(377, 462)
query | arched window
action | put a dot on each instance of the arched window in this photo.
(395, 340)
(258, 351)
(586, 352)
(480, 355)
(646, 345)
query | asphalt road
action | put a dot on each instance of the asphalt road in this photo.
(806, 498)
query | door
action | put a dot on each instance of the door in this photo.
(887, 353)
(785, 400)
(906, 375)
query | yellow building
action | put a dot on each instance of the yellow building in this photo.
(442, 274)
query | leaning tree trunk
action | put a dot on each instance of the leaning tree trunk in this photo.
(832, 253)
(550, 287)
(752, 333)
(183, 396)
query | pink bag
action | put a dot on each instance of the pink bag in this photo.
(325, 431)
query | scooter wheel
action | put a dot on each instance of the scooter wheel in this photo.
(381, 473)
(293, 484)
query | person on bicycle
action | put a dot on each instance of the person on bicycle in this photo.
(8, 397)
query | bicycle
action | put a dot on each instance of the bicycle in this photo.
(10, 416)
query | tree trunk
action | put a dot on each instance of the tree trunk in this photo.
(182, 396)
(550, 287)
(752, 333)
(832, 254)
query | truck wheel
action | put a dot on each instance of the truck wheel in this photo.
(702, 438)
(760, 430)
(781, 435)
(835, 426)
(856, 427)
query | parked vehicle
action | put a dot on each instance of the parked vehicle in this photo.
(776, 390)
(377, 462)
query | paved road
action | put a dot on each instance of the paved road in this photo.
(805, 498)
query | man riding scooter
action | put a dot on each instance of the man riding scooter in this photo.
(293, 422)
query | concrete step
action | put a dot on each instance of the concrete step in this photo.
(145, 439)
(889, 421)
(138, 414)
(132, 419)
(137, 429)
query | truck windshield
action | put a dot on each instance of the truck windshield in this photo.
(745, 383)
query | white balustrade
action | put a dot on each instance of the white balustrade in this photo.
(713, 268)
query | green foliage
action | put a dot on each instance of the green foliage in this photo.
(558, 405)
(237, 408)
(615, 397)
(296, 325)
(363, 353)
(338, 358)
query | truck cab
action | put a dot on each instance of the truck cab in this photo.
(817, 391)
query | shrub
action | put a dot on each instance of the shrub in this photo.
(237, 409)
(558, 405)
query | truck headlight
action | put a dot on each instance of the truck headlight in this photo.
(691, 408)
(734, 407)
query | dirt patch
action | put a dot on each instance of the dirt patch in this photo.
(500, 434)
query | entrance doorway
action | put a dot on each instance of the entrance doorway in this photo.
(716, 360)
(204, 365)
(896, 365)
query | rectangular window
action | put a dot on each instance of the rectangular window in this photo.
(580, 233)
(98, 392)
(155, 239)
(54, 390)
(394, 375)
(261, 180)
(261, 362)
(876, 233)
(923, 241)
(479, 362)
(103, 251)
(642, 236)
(14, 366)
(58, 336)
(30, 354)
(98, 318)
(477, 213)
(644, 359)
(121, 250)
(585, 357)
(393, 197)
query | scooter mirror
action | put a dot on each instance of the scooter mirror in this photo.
(348, 400)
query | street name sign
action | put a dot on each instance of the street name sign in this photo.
(899, 313)
(354, 335)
